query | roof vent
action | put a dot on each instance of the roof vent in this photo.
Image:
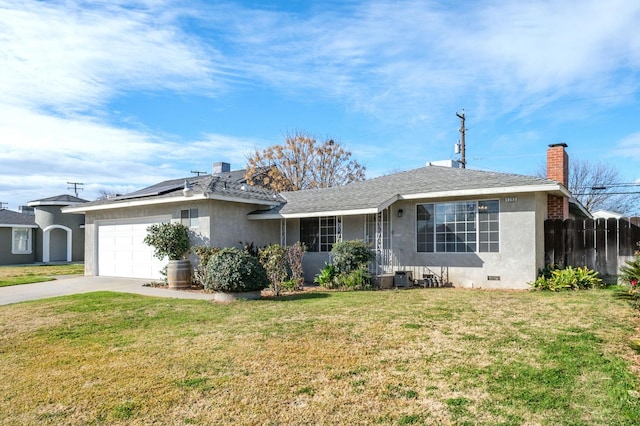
(221, 167)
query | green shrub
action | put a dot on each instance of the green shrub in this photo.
(347, 256)
(581, 278)
(358, 279)
(204, 254)
(326, 277)
(295, 254)
(168, 240)
(630, 273)
(233, 270)
(275, 261)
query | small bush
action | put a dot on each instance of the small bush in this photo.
(295, 255)
(358, 279)
(275, 261)
(581, 278)
(233, 270)
(168, 240)
(326, 277)
(204, 254)
(630, 274)
(347, 256)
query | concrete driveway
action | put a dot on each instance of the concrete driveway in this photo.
(80, 284)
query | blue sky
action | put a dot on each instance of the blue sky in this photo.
(122, 94)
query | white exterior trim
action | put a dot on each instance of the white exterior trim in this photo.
(155, 201)
(29, 249)
(54, 203)
(15, 225)
(489, 191)
(46, 242)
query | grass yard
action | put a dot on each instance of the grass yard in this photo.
(432, 356)
(15, 275)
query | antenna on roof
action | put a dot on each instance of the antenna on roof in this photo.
(463, 159)
(3, 205)
(76, 187)
(197, 173)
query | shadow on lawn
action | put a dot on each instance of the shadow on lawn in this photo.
(298, 296)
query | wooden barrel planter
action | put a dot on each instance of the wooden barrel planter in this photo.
(179, 274)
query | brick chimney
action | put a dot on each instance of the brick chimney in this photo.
(558, 170)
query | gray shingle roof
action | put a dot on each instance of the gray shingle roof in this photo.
(373, 193)
(213, 185)
(63, 200)
(8, 217)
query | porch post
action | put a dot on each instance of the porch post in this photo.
(283, 232)
(379, 241)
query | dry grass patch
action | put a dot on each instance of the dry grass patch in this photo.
(15, 275)
(432, 356)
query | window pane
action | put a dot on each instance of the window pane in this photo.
(310, 233)
(489, 223)
(21, 240)
(425, 227)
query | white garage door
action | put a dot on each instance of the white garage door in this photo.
(123, 253)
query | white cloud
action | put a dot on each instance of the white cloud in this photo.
(70, 55)
(410, 58)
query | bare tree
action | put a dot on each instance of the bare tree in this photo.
(302, 163)
(104, 194)
(599, 186)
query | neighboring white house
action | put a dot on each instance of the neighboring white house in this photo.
(606, 214)
(481, 229)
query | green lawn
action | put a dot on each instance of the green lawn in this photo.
(423, 356)
(15, 275)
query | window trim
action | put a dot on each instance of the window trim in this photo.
(14, 231)
(190, 218)
(477, 241)
(323, 246)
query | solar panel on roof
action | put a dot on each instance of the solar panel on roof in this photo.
(151, 191)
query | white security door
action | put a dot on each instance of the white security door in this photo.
(123, 253)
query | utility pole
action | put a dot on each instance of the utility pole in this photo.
(3, 205)
(76, 186)
(463, 159)
(198, 173)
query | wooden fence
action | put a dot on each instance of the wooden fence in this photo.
(600, 244)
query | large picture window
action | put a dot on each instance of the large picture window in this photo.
(21, 243)
(458, 227)
(319, 234)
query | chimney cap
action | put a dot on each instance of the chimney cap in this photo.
(562, 144)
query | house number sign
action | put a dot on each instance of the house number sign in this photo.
(511, 199)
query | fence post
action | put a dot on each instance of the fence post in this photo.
(590, 244)
(612, 246)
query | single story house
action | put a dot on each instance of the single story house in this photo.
(41, 233)
(472, 228)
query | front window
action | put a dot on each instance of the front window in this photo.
(189, 218)
(21, 241)
(458, 227)
(319, 234)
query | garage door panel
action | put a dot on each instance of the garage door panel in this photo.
(123, 253)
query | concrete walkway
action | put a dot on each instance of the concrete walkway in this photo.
(75, 284)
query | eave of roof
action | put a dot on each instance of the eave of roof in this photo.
(203, 188)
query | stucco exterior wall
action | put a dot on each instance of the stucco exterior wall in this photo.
(48, 216)
(6, 257)
(220, 224)
(516, 264)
